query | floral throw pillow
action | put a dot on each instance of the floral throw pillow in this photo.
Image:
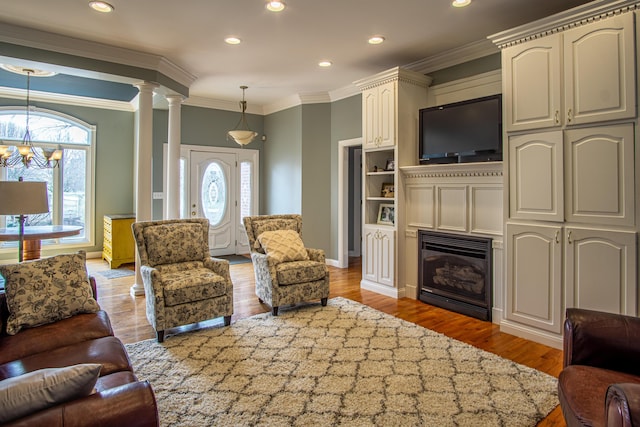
(46, 290)
(283, 245)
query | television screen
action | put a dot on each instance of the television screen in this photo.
(463, 131)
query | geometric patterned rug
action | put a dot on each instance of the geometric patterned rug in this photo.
(343, 364)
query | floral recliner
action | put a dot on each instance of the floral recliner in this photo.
(279, 282)
(182, 282)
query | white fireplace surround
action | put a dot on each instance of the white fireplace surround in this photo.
(463, 199)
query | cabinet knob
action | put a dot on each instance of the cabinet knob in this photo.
(193, 213)
(569, 115)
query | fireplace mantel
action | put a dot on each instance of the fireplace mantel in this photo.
(458, 170)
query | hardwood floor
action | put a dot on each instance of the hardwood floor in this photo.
(130, 324)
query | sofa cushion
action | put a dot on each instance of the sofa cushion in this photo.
(292, 273)
(583, 389)
(75, 329)
(47, 290)
(34, 391)
(283, 245)
(173, 243)
(198, 284)
(107, 351)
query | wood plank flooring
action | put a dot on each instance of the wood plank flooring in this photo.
(130, 324)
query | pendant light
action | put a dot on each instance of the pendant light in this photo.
(241, 134)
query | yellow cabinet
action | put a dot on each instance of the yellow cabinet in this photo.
(118, 246)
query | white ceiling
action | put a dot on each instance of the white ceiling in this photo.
(280, 51)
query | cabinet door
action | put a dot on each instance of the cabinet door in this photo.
(531, 87)
(369, 118)
(534, 277)
(536, 184)
(600, 271)
(600, 81)
(369, 253)
(387, 115)
(386, 257)
(378, 264)
(599, 175)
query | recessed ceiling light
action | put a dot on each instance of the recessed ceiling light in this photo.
(461, 3)
(376, 40)
(101, 6)
(325, 63)
(232, 40)
(275, 6)
(34, 72)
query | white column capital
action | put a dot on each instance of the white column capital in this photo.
(146, 86)
(175, 99)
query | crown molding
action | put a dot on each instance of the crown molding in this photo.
(79, 101)
(29, 37)
(394, 74)
(220, 104)
(452, 57)
(344, 92)
(562, 21)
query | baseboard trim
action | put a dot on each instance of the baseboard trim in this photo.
(382, 289)
(521, 331)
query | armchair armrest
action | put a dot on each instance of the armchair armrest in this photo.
(132, 404)
(316, 255)
(587, 332)
(623, 405)
(219, 266)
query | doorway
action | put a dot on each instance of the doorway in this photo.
(220, 184)
(349, 199)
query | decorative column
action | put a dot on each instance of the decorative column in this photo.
(143, 190)
(173, 157)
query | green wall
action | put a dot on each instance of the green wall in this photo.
(346, 123)
(282, 171)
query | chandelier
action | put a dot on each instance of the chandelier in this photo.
(25, 153)
(241, 133)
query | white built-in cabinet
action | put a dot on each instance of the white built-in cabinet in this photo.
(569, 99)
(596, 84)
(390, 104)
(378, 265)
(378, 116)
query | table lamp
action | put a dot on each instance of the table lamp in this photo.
(23, 198)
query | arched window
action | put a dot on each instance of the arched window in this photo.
(70, 185)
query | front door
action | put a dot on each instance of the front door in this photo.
(213, 196)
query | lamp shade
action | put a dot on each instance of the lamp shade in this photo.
(23, 197)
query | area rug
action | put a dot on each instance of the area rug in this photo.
(116, 273)
(345, 364)
(235, 259)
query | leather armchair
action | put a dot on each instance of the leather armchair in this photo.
(600, 382)
(182, 282)
(288, 282)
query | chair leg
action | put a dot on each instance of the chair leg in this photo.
(227, 320)
(160, 336)
(274, 310)
(323, 301)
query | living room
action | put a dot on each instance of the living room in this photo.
(299, 172)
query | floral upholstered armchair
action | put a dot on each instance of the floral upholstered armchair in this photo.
(286, 271)
(182, 283)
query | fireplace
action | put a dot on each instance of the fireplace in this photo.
(454, 272)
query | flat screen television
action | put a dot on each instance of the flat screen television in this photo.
(467, 131)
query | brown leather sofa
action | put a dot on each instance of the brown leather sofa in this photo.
(600, 382)
(119, 398)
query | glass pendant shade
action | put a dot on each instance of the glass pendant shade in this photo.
(242, 134)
